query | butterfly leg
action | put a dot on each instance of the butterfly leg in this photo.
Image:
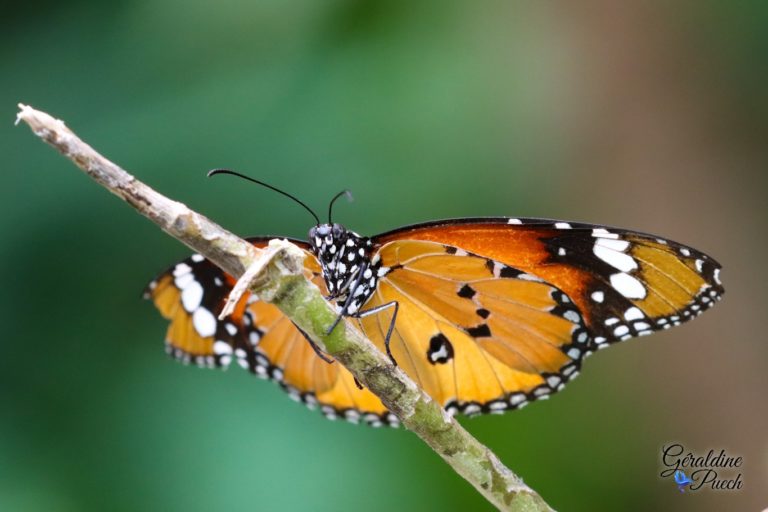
(322, 355)
(388, 337)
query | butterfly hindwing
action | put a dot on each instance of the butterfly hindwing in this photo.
(475, 334)
(281, 352)
(258, 337)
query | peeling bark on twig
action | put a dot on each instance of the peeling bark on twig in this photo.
(276, 276)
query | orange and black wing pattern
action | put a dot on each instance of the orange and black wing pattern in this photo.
(492, 313)
(476, 334)
(192, 293)
(623, 283)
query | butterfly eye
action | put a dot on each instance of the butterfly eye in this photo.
(338, 230)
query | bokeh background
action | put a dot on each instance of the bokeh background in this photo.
(650, 116)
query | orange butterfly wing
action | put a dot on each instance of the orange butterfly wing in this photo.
(258, 336)
(475, 334)
(493, 313)
(624, 283)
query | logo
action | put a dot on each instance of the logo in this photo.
(716, 471)
(681, 480)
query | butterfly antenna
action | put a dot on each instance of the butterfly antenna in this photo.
(214, 172)
(350, 198)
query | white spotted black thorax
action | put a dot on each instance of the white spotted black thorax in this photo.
(345, 258)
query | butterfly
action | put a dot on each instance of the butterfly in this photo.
(682, 480)
(484, 314)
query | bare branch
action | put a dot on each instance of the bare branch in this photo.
(276, 276)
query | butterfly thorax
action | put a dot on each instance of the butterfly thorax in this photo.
(345, 258)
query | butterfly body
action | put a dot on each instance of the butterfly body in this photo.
(485, 314)
(345, 260)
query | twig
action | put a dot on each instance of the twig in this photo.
(276, 276)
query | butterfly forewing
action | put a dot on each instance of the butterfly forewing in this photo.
(624, 283)
(190, 295)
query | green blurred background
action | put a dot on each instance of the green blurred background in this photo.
(650, 116)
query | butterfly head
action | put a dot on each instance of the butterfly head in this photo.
(326, 240)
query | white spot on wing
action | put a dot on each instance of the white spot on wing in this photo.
(183, 280)
(598, 296)
(611, 243)
(616, 259)
(620, 330)
(628, 286)
(553, 381)
(633, 313)
(204, 322)
(471, 409)
(181, 269)
(514, 221)
(191, 296)
(197, 258)
(562, 225)
(572, 316)
(222, 347)
(603, 233)
(439, 354)
(516, 399)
